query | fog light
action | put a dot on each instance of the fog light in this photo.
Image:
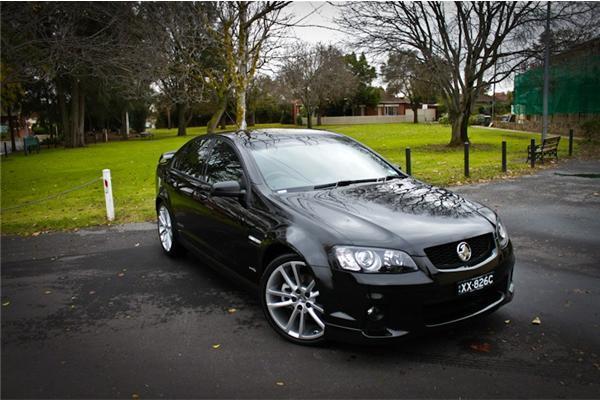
(374, 314)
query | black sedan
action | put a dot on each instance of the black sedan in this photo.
(341, 243)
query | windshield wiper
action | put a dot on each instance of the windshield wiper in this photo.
(351, 182)
(344, 183)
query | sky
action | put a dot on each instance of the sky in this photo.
(316, 17)
(317, 24)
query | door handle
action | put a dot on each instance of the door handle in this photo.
(186, 190)
(200, 195)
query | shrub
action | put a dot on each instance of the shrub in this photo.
(444, 119)
(591, 129)
(299, 120)
(479, 119)
(286, 118)
(39, 130)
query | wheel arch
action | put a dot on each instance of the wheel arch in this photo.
(274, 250)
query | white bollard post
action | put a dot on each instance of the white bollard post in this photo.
(108, 195)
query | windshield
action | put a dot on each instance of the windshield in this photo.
(297, 162)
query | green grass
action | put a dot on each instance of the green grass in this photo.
(133, 164)
(436, 163)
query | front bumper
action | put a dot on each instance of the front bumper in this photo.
(370, 307)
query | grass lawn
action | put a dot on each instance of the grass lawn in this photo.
(133, 164)
(436, 163)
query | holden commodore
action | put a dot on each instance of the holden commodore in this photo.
(340, 243)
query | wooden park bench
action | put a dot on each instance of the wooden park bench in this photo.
(31, 143)
(147, 135)
(548, 148)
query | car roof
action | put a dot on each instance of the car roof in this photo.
(272, 134)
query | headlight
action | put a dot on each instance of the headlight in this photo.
(502, 234)
(363, 259)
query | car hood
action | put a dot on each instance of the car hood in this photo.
(401, 213)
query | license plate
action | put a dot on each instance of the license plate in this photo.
(475, 284)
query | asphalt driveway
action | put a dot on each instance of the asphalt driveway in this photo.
(102, 313)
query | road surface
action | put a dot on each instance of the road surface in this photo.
(102, 313)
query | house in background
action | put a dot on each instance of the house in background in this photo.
(389, 109)
(395, 106)
(22, 127)
(502, 100)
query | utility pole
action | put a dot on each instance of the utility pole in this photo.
(494, 97)
(546, 74)
(127, 123)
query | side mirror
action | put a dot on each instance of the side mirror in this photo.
(227, 189)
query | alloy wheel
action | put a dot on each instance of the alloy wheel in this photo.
(291, 299)
(165, 229)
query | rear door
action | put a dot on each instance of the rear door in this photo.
(186, 180)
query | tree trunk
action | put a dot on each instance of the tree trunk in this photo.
(11, 128)
(459, 129)
(318, 118)
(62, 105)
(169, 126)
(240, 115)
(180, 119)
(216, 117)
(415, 110)
(124, 133)
(242, 78)
(308, 118)
(71, 140)
(81, 127)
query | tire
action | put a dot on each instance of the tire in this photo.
(167, 236)
(289, 300)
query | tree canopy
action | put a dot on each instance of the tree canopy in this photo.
(466, 45)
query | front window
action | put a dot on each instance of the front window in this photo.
(297, 162)
(191, 158)
(391, 110)
(223, 165)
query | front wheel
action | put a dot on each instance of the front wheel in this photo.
(166, 232)
(289, 297)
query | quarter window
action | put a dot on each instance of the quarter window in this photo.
(224, 165)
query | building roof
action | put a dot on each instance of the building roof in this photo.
(487, 98)
(389, 99)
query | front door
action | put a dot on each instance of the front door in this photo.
(225, 225)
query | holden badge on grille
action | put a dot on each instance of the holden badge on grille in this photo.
(464, 251)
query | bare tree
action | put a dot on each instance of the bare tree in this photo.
(461, 42)
(334, 80)
(405, 73)
(72, 47)
(247, 31)
(10, 95)
(174, 48)
(66, 45)
(317, 75)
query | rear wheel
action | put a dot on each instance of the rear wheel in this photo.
(289, 297)
(166, 232)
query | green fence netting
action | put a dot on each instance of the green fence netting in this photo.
(574, 88)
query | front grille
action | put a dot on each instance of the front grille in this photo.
(445, 257)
